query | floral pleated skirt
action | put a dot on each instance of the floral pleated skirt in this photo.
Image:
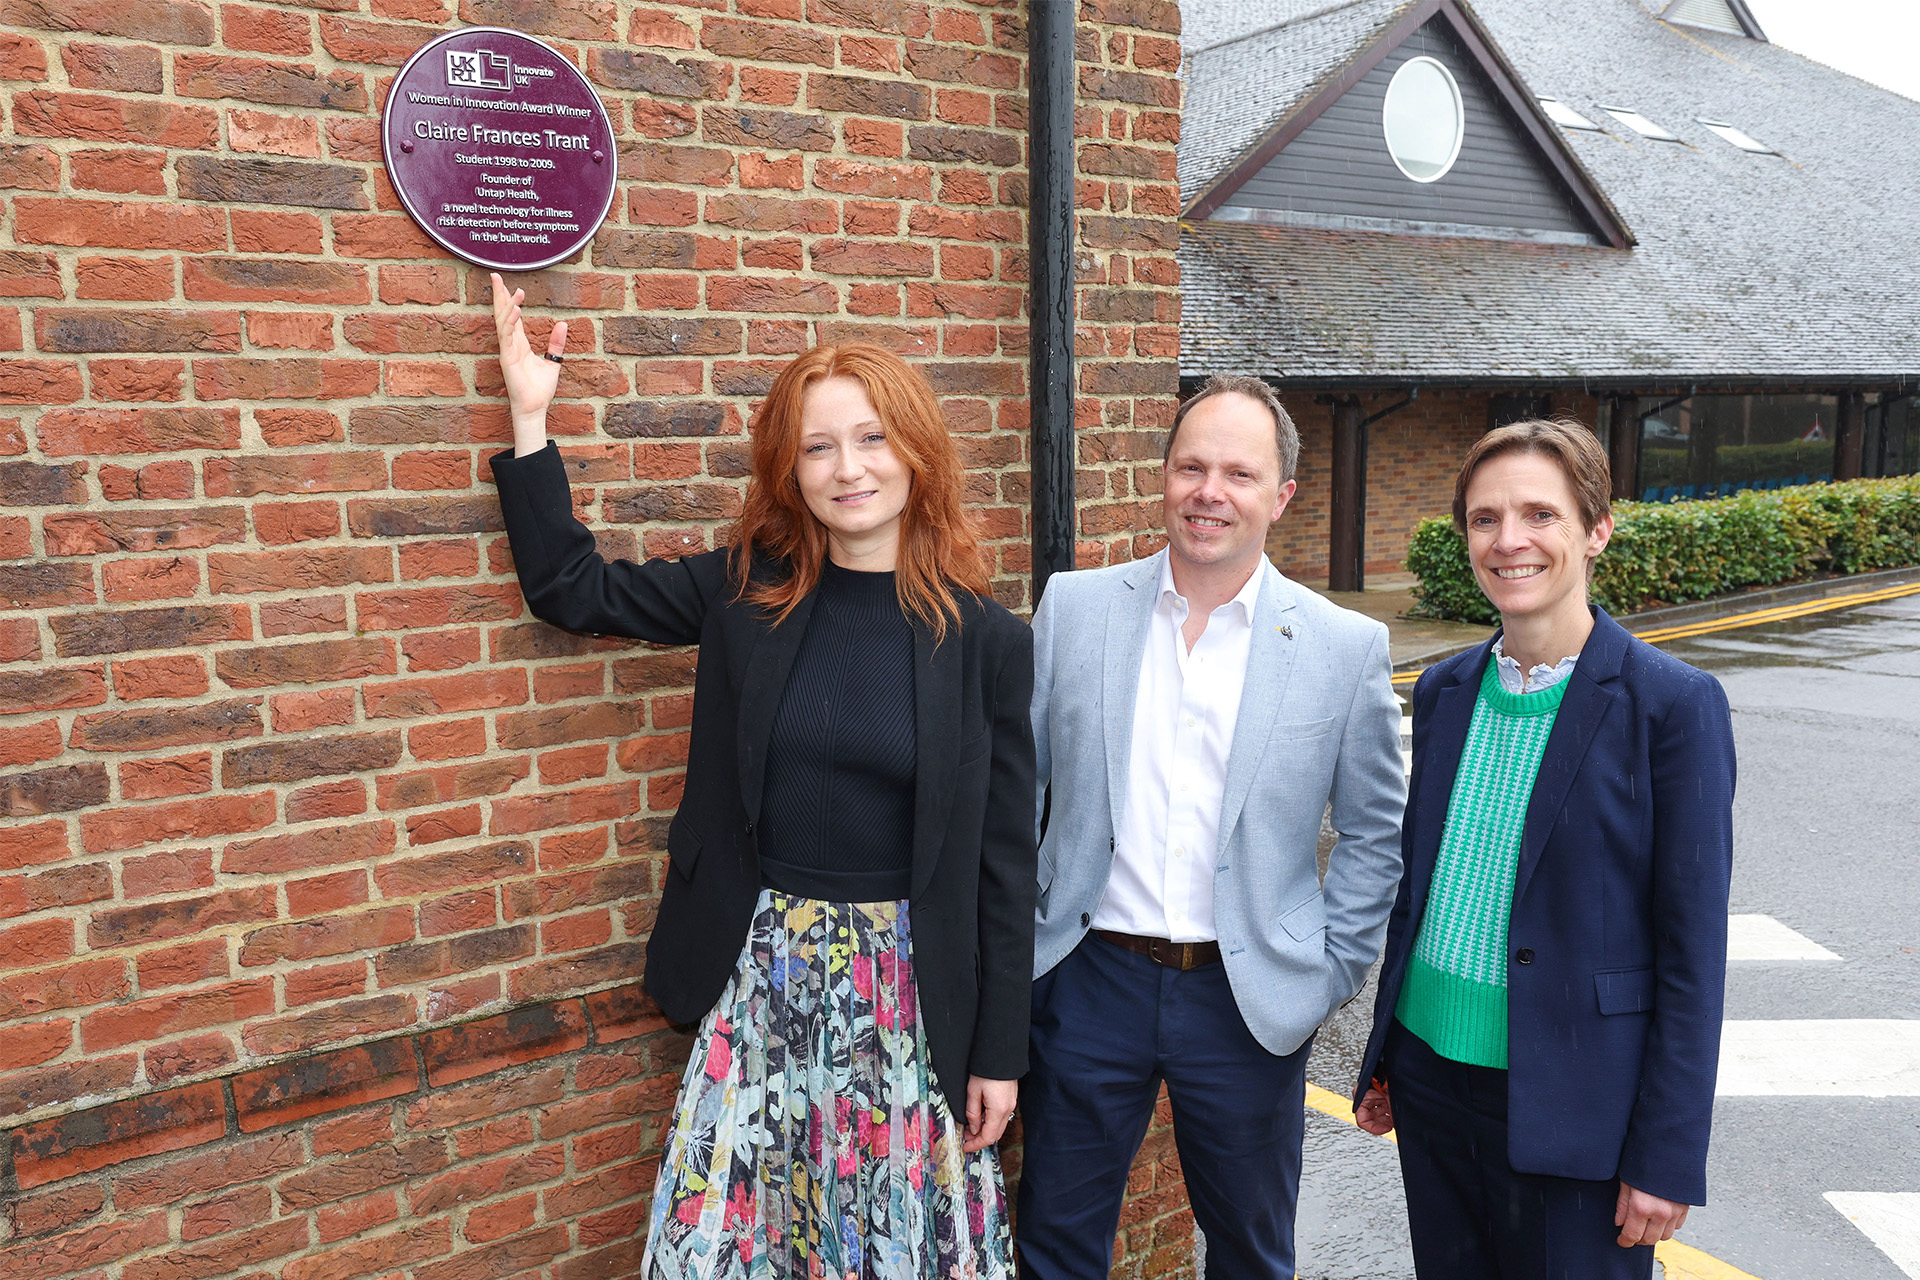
(811, 1139)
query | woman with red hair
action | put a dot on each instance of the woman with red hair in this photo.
(847, 905)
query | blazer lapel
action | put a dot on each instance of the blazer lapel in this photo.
(1590, 693)
(936, 737)
(1440, 765)
(1269, 666)
(1129, 611)
(769, 663)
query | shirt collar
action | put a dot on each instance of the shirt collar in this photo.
(1248, 597)
(1542, 676)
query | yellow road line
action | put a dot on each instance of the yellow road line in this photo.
(1778, 614)
(1824, 605)
(1327, 1102)
(1684, 1262)
(1681, 1261)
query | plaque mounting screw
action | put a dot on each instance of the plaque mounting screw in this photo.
(407, 147)
(599, 156)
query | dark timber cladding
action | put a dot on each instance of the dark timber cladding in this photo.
(1347, 532)
(1850, 437)
(1339, 165)
(1623, 459)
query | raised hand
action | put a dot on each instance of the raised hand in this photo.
(531, 378)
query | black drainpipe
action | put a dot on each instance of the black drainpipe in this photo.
(1050, 97)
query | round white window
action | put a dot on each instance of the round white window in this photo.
(1423, 119)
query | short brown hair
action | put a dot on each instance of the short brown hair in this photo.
(1567, 442)
(1285, 437)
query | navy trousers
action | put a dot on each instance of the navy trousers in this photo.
(1108, 1027)
(1471, 1215)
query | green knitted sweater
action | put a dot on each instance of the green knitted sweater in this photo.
(1454, 996)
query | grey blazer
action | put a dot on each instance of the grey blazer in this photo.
(1318, 726)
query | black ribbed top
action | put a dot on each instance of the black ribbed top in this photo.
(836, 817)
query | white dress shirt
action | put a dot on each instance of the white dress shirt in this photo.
(1184, 713)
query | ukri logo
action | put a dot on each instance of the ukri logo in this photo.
(480, 69)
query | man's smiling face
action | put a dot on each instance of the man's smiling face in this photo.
(1223, 486)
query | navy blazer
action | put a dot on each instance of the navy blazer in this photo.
(1617, 946)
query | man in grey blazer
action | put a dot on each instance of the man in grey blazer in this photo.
(1195, 714)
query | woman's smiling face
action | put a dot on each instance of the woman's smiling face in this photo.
(1525, 538)
(851, 479)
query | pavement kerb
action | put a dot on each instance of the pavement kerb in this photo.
(1724, 613)
(1680, 1261)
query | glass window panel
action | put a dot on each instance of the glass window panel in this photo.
(1640, 124)
(1423, 119)
(1565, 116)
(1740, 139)
(1893, 438)
(1708, 446)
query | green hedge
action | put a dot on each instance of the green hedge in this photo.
(1667, 553)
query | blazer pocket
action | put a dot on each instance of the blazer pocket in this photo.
(1301, 730)
(683, 846)
(1624, 990)
(1305, 920)
(975, 747)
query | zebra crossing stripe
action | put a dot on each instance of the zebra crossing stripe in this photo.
(1762, 938)
(1820, 1057)
(1891, 1219)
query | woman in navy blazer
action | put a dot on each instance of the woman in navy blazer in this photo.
(1590, 1143)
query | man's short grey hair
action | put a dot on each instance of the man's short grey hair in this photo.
(1285, 436)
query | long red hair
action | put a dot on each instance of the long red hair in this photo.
(939, 539)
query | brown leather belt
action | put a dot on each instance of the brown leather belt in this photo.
(1174, 955)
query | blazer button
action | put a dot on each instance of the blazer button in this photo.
(1085, 919)
(1523, 956)
(749, 828)
(1109, 844)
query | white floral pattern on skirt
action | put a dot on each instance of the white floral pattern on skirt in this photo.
(811, 1139)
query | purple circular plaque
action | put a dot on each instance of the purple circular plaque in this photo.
(500, 149)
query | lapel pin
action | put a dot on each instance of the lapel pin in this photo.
(1285, 631)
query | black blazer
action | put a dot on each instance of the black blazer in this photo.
(1617, 943)
(973, 881)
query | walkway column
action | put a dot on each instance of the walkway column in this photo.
(1623, 452)
(1851, 438)
(1347, 534)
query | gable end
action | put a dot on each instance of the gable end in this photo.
(1328, 163)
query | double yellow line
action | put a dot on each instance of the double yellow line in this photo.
(1826, 604)
(1681, 1261)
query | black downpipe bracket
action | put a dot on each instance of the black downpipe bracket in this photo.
(1050, 164)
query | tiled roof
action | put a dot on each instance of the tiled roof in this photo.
(1234, 87)
(1748, 266)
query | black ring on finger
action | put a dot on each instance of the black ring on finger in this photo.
(556, 359)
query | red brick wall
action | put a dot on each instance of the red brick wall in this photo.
(296, 795)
